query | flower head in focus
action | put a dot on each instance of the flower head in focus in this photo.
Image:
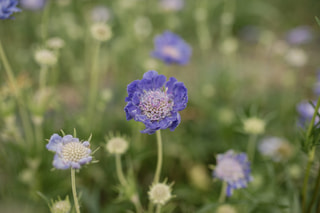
(160, 193)
(171, 49)
(234, 169)
(70, 152)
(156, 102)
(7, 7)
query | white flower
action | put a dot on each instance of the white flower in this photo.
(101, 31)
(61, 206)
(45, 57)
(117, 145)
(254, 126)
(296, 57)
(160, 193)
(276, 148)
(55, 43)
(226, 208)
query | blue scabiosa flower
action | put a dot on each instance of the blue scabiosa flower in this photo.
(234, 169)
(7, 7)
(306, 111)
(156, 102)
(299, 35)
(171, 49)
(70, 152)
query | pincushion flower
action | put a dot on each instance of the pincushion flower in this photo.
(70, 152)
(156, 102)
(234, 169)
(7, 7)
(306, 111)
(171, 49)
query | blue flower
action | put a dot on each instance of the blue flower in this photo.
(33, 4)
(70, 152)
(299, 35)
(234, 169)
(156, 102)
(306, 111)
(171, 49)
(7, 7)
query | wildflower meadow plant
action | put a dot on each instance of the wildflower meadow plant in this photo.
(7, 8)
(234, 170)
(171, 49)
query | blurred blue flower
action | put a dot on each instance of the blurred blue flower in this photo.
(234, 169)
(172, 5)
(70, 152)
(33, 4)
(306, 111)
(316, 88)
(171, 48)
(100, 14)
(156, 102)
(299, 35)
(7, 7)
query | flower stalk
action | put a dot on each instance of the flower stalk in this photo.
(74, 192)
(159, 161)
(120, 175)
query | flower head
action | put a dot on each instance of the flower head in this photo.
(45, 57)
(254, 126)
(234, 169)
(100, 14)
(160, 193)
(7, 7)
(276, 148)
(55, 43)
(299, 35)
(171, 49)
(156, 102)
(33, 4)
(306, 111)
(172, 5)
(70, 152)
(101, 31)
(226, 208)
(61, 206)
(117, 145)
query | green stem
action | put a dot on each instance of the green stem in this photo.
(12, 82)
(315, 192)
(158, 210)
(45, 18)
(94, 79)
(74, 192)
(159, 162)
(43, 77)
(137, 204)
(251, 147)
(120, 175)
(306, 178)
(222, 196)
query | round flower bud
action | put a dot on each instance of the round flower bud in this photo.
(160, 193)
(55, 43)
(117, 145)
(101, 32)
(226, 208)
(254, 126)
(61, 206)
(45, 57)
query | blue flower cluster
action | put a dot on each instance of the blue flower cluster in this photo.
(7, 7)
(156, 102)
(171, 49)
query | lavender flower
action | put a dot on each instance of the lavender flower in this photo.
(171, 48)
(33, 4)
(299, 35)
(172, 5)
(306, 111)
(156, 102)
(234, 169)
(278, 149)
(100, 14)
(70, 152)
(7, 7)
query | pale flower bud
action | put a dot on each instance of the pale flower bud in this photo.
(101, 31)
(254, 126)
(160, 193)
(117, 145)
(45, 57)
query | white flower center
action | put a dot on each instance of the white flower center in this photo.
(171, 51)
(74, 151)
(229, 170)
(160, 193)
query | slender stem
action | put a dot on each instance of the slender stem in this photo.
(251, 147)
(137, 204)
(159, 162)
(44, 24)
(43, 77)
(306, 177)
(315, 192)
(222, 196)
(74, 192)
(94, 78)
(158, 209)
(120, 175)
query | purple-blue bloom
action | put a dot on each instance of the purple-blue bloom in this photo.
(234, 169)
(306, 111)
(156, 102)
(171, 49)
(33, 4)
(7, 7)
(70, 152)
(299, 35)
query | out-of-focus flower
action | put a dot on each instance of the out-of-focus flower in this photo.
(160, 193)
(276, 148)
(229, 46)
(45, 57)
(70, 152)
(101, 31)
(100, 14)
(142, 27)
(117, 145)
(61, 206)
(295, 171)
(151, 64)
(296, 57)
(316, 87)
(250, 34)
(254, 126)
(156, 102)
(226, 208)
(299, 35)
(306, 111)
(55, 43)
(208, 90)
(234, 169)
(171, 5)
(226, 116)
(199, 177)
(280, 47)
(171, 49)
(33, 4)
(7, 7)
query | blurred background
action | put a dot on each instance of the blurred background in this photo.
(250, 58)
